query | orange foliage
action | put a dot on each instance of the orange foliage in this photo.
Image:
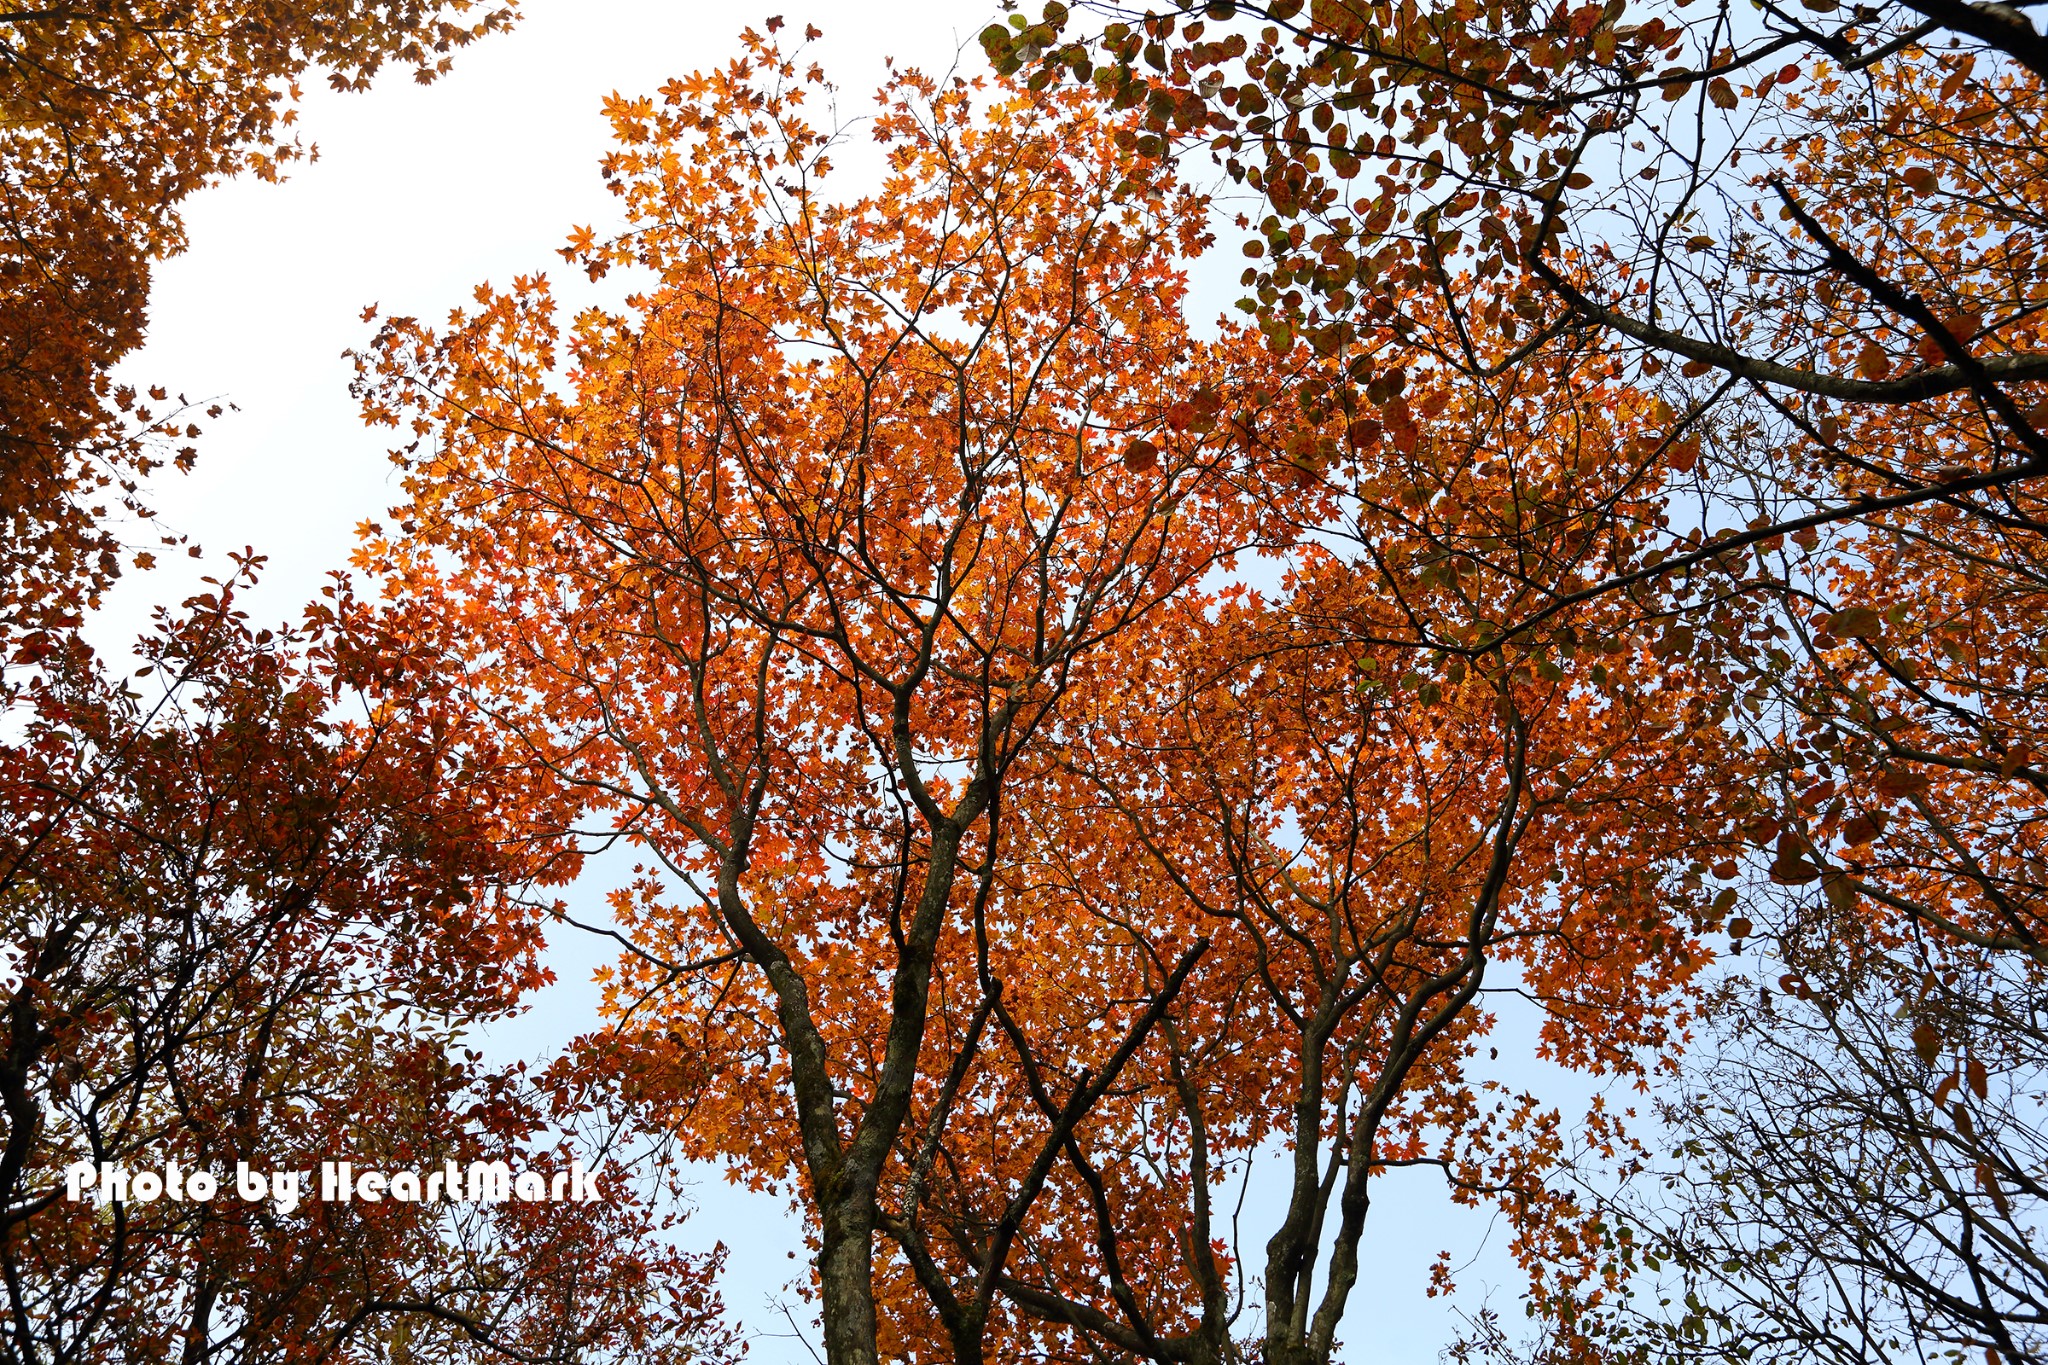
(1812, 236)
(1008, 879)
(111, 113)
(793, 570)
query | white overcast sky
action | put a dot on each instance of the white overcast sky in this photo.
(418, 194)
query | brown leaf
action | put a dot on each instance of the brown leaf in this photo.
(1790, 869)
(1896, 783)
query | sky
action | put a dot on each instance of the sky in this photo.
(417, 195)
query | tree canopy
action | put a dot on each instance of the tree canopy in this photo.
(1591, 590)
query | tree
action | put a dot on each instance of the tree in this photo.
(1898, 958)
(1855, 1174)
(252, 930)
(902, 664)
(1366, 845)
(790, 576)
(1813, 233)
(110, 115)
(821, 636)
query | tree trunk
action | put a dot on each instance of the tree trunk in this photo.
(846, 1278)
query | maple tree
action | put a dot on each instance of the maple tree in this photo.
(1009, 877)
(111, 114)
(1365, 845)
(1811, 235)
(252, 929)
(791, 574)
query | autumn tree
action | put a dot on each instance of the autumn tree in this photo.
(257, 929)
(789, 573)
(1813, 233)
(1373, 852)
(1875, 1190)
(111, 114)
